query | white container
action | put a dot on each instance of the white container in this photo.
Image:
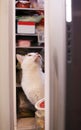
(40, 3)
(25, 27)
(40, 114)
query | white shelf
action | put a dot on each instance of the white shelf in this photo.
(30, 9)
(33, 47)
(26, 34)
(26, 124)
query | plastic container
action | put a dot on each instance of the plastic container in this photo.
(40, 120)
(40, 115)
(25, 27)
(23, 4)
(34, 4)
(24, 43)
(40, 4)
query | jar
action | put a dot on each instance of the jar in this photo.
(34, 4)
(40, 120)
(41, 4)
(23, 4)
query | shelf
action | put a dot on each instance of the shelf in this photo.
(30, 35)
(26, 34)
(26, 124)
(30, 9)
(35, 47)
(24, 50)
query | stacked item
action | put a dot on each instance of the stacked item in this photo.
(27, 24)
(40, 114)
(30, 4)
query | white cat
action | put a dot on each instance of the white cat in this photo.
(32, 76)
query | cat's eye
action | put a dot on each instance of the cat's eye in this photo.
(29, 54)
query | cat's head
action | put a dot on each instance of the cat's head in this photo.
(30, 60)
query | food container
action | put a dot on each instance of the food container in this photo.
(40, 120)
(40, 4)
(34, 4)
(40, 37)
(25, 27)
(40, 115)
(24, 43)
(23, 4)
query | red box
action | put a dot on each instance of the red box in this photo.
(25, 27)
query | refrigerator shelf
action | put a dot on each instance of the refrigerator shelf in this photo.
(30, 9)
(26, 124)
(26, 34)
(35, 47)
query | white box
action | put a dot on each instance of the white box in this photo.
(25, 27)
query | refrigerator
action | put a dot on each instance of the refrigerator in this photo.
(61, 65)
(73, 91)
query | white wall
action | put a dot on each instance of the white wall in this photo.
(4, 67)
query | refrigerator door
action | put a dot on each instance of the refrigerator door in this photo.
(73, 90)
(56, 42)
(7, 73)
(4, 68)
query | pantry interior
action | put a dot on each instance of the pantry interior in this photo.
(29, 37)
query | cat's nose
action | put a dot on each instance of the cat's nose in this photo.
(38, 54)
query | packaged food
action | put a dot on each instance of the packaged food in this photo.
(41, 4)
(25, 27)
(24, 43)
(23, 4)
(40, 115)
(34, 4)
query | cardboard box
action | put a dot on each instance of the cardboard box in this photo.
(25, 27)
(24, 43)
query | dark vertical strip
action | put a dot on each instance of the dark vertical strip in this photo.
(73, 93)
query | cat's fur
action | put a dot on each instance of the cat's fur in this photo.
(32, 76)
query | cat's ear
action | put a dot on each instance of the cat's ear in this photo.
(20, 58)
